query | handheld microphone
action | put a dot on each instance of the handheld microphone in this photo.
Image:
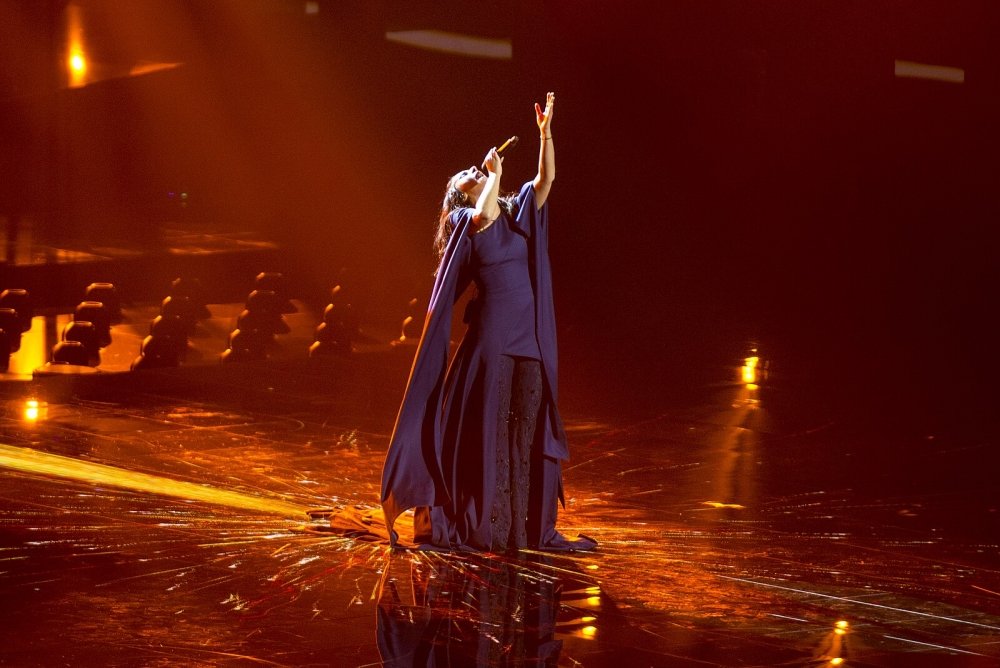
(506, 146)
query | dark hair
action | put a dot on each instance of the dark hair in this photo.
(456, 199)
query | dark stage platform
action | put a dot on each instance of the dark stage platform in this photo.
(159, 518)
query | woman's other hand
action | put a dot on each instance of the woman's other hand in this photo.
(544, 116)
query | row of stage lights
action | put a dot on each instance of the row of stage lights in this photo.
(253, 338)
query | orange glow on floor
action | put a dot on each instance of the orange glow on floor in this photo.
(34, 410)
(43, 463)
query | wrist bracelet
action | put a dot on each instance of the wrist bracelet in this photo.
(545, 138)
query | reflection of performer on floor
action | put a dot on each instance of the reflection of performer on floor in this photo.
(458, 613)
(478, 443)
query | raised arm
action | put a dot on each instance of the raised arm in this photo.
(546, 150)
(487, 208)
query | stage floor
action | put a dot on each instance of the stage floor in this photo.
(159, 518)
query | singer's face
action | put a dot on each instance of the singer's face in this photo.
(470, 181)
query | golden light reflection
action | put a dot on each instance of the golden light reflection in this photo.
(594, 600)
(147, 68)
(77, 63)
(35, 410)
(36, 344)
(76, 59)
(831, 649)
(720, 504)
(589, 631)
(749, 370)
(407, 321)
(32, 461)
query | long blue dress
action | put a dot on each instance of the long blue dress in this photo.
(441, 456)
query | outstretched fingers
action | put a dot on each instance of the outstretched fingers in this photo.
(545, 115)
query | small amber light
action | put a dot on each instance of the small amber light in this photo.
(77, 63)
(34, 410)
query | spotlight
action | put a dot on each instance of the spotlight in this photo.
(4, 350)
(86, 334)
(35, 410)
(20, 300)
(410, 331)
(10, 323)
(259, 321)
(167, 341)
(107, 295)
(347, 314)
(159, 351)
(333, 336)
(173, 327)
(276, 283)
(191, 287)
(70, 352)
(182, 309)
(264, 312)
(96, 313)
(246, 345)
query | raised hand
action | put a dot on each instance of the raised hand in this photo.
(544, 116)
(493, 162)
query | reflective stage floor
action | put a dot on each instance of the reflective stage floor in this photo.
(158, 518)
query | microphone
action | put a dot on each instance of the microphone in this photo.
(506, 146)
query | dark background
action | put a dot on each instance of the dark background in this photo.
(730, 173)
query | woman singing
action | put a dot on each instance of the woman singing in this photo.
(478, 444)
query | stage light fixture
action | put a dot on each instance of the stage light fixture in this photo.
(159, 351)
(20, 300)
(96, 313)
(84, 332)
(10, 323)
(276, 283)
(107, 294)
(70, 352)
(333, 336)
(192, 288)
(4, 350)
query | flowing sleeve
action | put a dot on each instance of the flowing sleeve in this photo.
(534, 223)
(529, 219)
(411, 474)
